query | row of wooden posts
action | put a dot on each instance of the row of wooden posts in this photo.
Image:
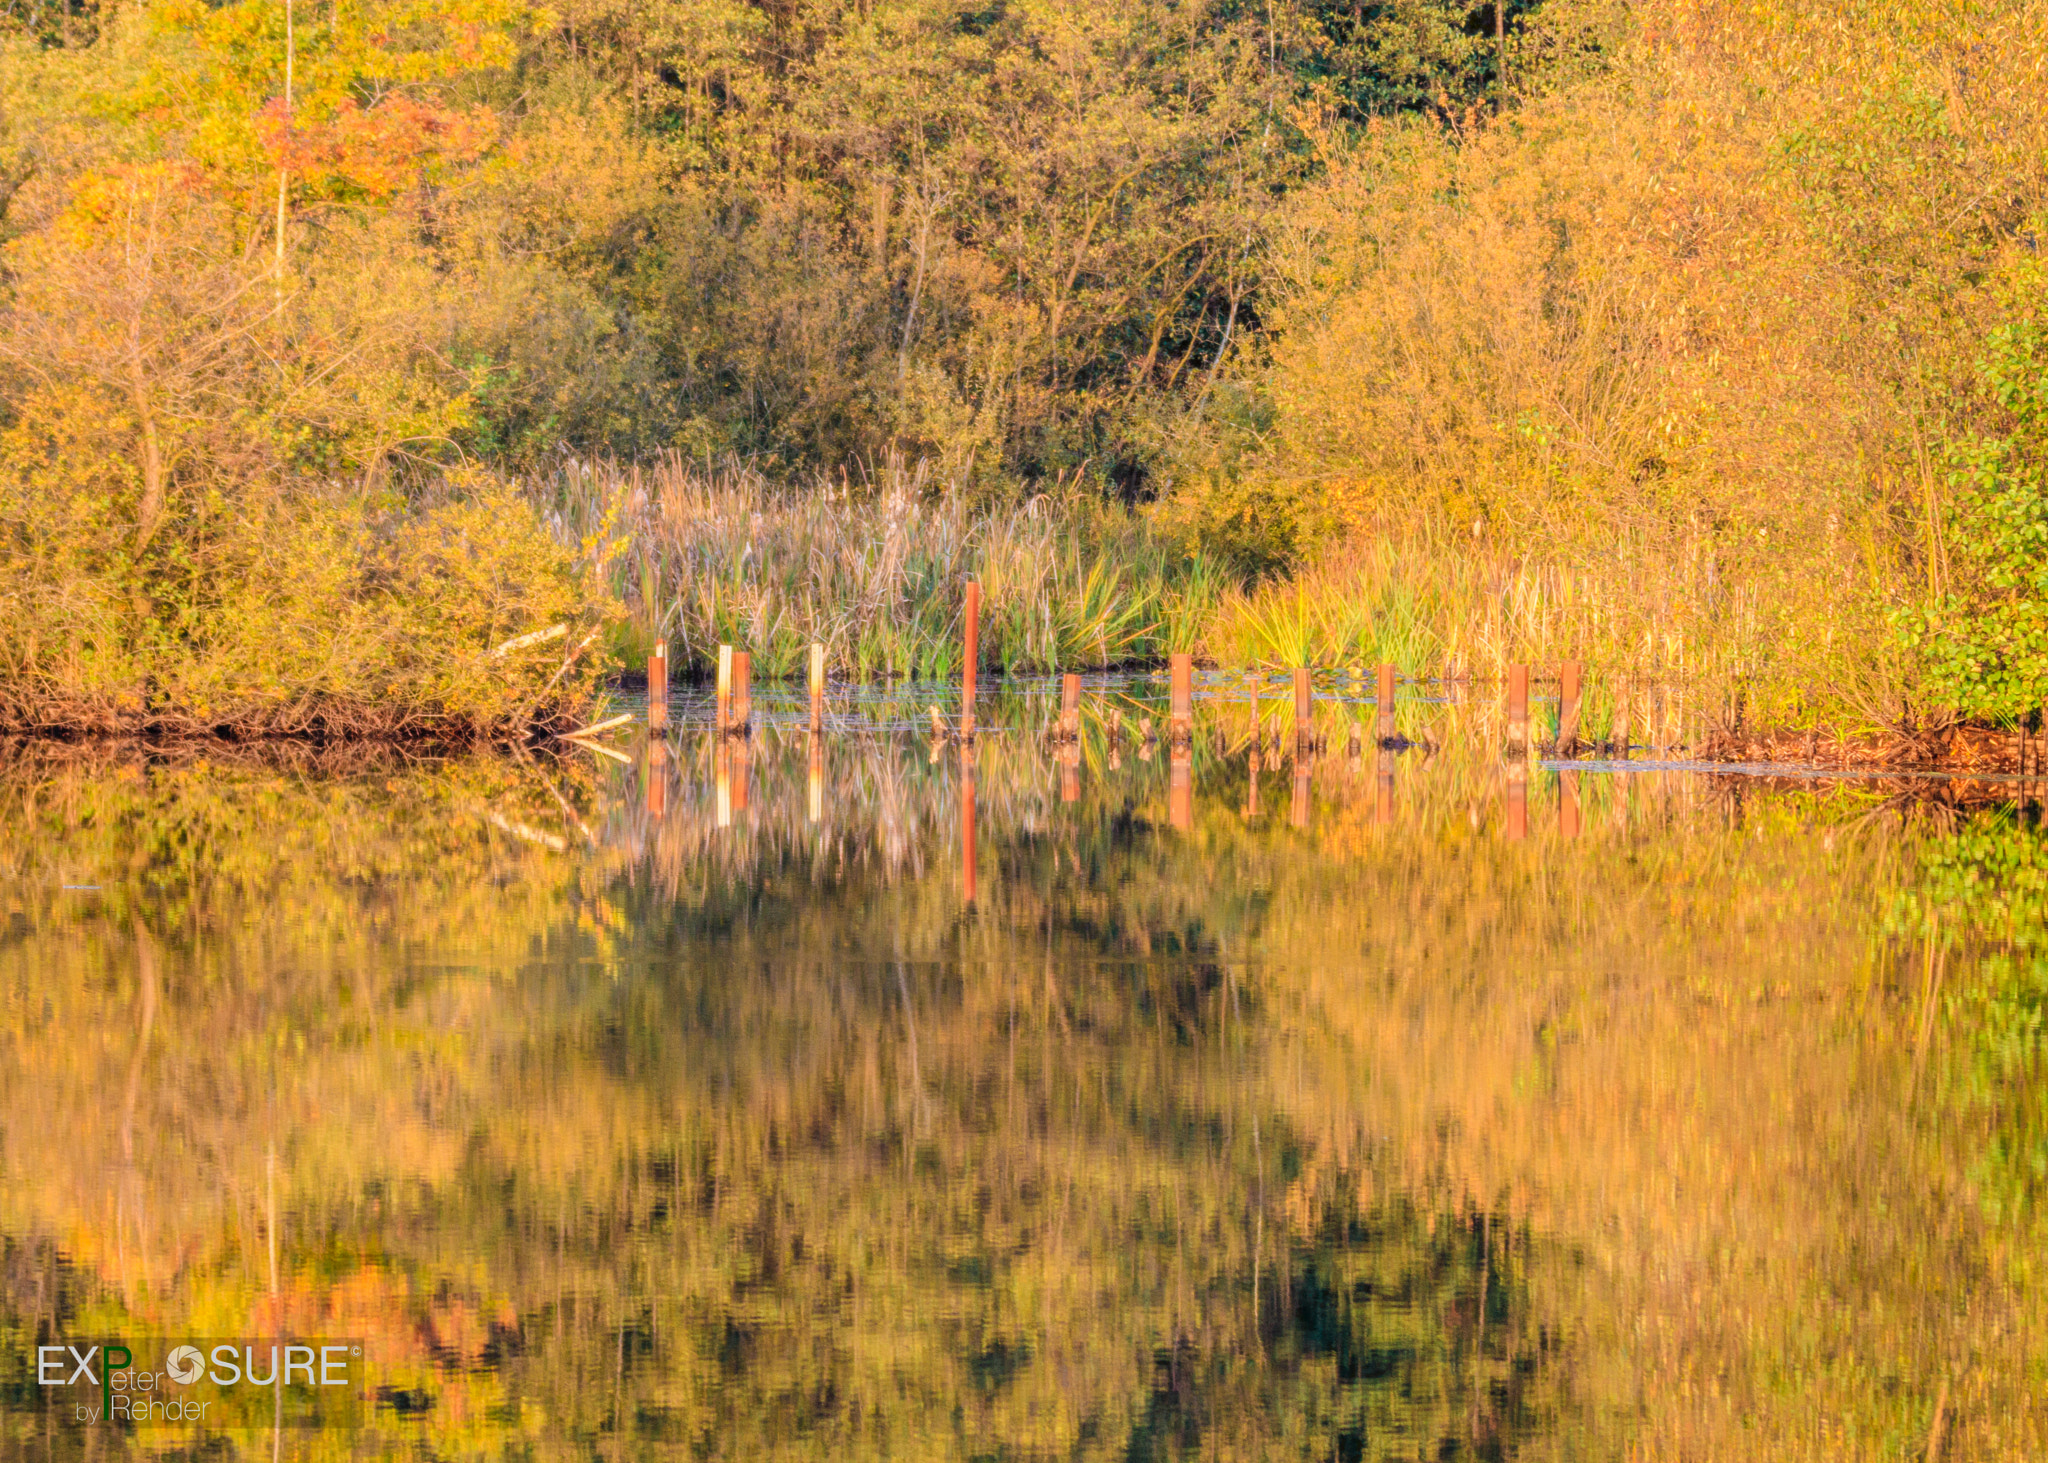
(735, 693)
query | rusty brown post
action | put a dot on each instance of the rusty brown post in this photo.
(657, 685)
(1070, 706)
(724, 696)
(721, 777)
(1070, 774)
(1518, 708)
(740, 763)
(1386, 787)
(1568, 709)
(1304, 711)
(1182, 670)
(967, 823)
(817, 688)
(1297, 811)
(1568, 805)
(1251, 789)
(971, 649)
(742, 690)
(1180, 786)
(1386, 702)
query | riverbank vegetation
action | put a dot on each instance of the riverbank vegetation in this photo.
(1695, 342)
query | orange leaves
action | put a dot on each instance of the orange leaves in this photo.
(375, 151)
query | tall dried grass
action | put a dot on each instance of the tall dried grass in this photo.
(876, 571)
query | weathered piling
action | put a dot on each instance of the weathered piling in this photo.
(1385, 808)
(1297, 808)
(742, 691)
(1568, 709)
(1182, 674)
(1251, 787)
(970, 646)
(1385, 697)
(1070, 706)
(1070, 773)
(1304, 711)
(817, 788)
(657, 685)
(817, 688)
(741, 765)
(1518, 708)
(1180, 785)
(723, 703)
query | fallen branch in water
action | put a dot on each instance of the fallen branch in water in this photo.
(595, 727)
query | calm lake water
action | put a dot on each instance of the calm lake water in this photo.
(855, 1099)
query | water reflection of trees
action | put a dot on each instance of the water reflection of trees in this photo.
(1233, 1141)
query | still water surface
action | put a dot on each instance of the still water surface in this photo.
(857, 1099)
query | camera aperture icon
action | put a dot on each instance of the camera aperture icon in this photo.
(185, 1364)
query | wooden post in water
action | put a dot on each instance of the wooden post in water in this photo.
(1304, 712)
(1180, 785)
(817, 688)
(742, 691)
(1568, 709)
(967, 822)
(721, 776)
(657, 685)
(1251, 788)
(740, 761)
(1070, 706)
(724, 700)
(1386, 702)
(1386, 787)
(1304, 763)
(1518, 708)
(1568, 805)
(1070, 773)
(817, 788)
(1182, 671)
(970, 636)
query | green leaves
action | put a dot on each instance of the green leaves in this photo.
(1984, 641)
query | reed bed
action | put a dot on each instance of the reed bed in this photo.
(876, 570)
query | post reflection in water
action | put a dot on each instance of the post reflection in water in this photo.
(1297, 811)
(689, 1145)
(1070, 773)
(1251, 785)
(967, 839)
(657, 777)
